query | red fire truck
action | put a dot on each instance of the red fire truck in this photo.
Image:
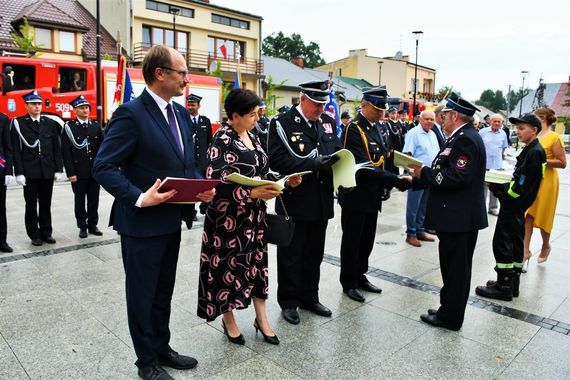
(59, 82)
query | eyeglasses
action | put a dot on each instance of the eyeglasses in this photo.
(183, 73)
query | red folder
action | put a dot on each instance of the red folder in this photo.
(186, 188)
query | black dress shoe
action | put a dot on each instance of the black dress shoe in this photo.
(174, 360)
(271, 339)
(83, 233)
(432, 311)
(370, 287)
(48, 239)
(233, 339)
(4, 247)
(354, 294)
(37, 242)
(319, 309)
(95, 231)
(434, 320)
(291, 316)
(154, 372)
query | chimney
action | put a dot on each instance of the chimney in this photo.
(298, 61)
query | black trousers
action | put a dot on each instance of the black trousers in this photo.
(150, 269)
(3, 222)
(86, 188)
(455, 258)
(358, 233)
(298, 266)
(37, 194)
(509, 236)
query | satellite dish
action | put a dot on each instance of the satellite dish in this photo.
(399, 55)
(213, 66)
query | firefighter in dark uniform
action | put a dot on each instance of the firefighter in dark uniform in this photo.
(202, 137)
(202, 131)
(80, 142)
(515, 197)
(262, 125)
(361, 204)
(396, 133)
(6, 178)
(344, 121)
(303, 139)
(455, 208)
(37, 162)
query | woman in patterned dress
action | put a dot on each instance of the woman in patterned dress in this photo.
(233, 259)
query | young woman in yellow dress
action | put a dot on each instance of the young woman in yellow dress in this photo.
(541, 212)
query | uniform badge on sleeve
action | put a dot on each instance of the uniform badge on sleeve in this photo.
(461, 162)
(327, 127)
(439, 178)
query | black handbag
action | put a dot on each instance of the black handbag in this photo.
(280, 228)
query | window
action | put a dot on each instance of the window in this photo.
(162, 7)
(24, 77)
(236, 23)
(66, 41)
(233, 48)
(43, 38)
(158, 36)
(182, 41)
(71, 79)
(413, 85)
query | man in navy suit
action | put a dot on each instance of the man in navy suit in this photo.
(149, 139)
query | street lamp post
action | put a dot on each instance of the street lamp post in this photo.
(417, 33)
(524, 72)
(174, 11)
(380, 72)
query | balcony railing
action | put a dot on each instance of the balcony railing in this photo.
(199, 60)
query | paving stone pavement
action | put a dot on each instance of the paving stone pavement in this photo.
(63, 315)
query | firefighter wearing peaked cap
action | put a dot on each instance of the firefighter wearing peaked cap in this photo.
(80, 142)
(361, 204)
(37, 162)
(455, 208)
(262, 125)
(303, 139)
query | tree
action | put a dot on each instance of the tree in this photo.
(280, 46)
(25, 39)
(270, 98)
(515, 96)
(495, 101)
(443, 92)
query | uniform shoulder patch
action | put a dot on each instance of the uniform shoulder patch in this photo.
(461, 162)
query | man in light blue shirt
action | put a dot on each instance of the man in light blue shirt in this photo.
(496, 142)
(421, 143)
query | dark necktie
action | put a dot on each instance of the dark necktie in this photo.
(172, 125)
(37, 124)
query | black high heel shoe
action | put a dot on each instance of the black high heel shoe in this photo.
(236, 340)
(269, 339)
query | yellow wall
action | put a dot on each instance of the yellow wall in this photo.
(54, 52)
(394, 74)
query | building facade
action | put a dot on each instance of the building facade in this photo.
(206, 34)
(396, 73)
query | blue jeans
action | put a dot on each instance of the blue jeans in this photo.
(416, 212)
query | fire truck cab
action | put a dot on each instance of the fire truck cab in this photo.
(58, 82)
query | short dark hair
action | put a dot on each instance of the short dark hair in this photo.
(241, 101)
(156, 56)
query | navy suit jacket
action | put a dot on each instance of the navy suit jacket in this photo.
(138, 149)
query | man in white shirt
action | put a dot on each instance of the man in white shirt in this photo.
(421, 143)
(495, 141)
